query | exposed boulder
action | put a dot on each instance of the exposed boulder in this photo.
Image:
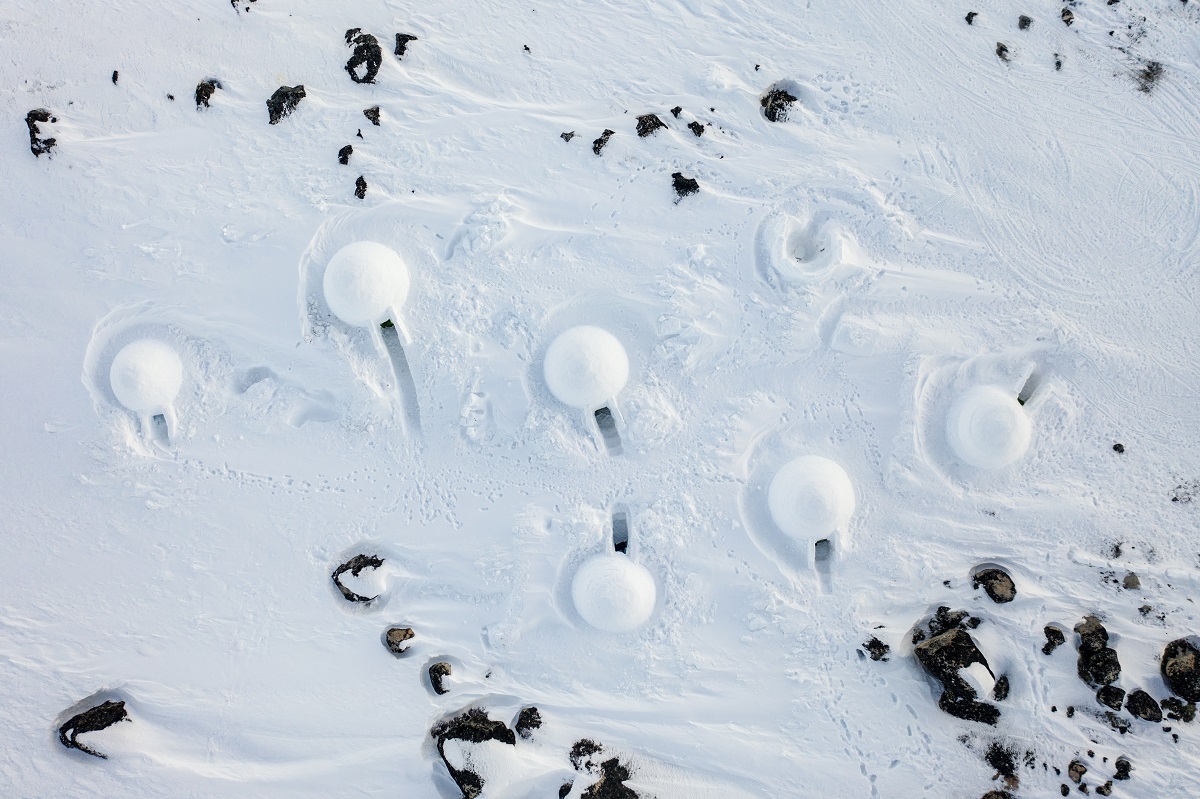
(1023, 22)
(877, 649)
(284, 101)
(344, 154)
(360, 188)
(355, 566)
(776, 103)
(372, 114)
(438, 673)
(942, 657)
(402, 40)
(683, 185)
(647, 124)
(205, 90)
(696, 128)
(997, 583)
(1178, 710)
(1098, 663)
(599, 143)
(567, 136)
(1180, 669)
(528, 720)
(1111, 696)
(1123, 767)
(97, 718)
(1068, 16)
(612, 773)
(1054, 639)
(367, 54)
(38, 144)
(473, 726)
(396, 638)
(1141, 705)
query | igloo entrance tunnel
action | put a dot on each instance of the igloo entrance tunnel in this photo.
(987, 428)
(146, 376)
(811, 499)
(586, 367)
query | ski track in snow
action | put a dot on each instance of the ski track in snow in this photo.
(992, 222)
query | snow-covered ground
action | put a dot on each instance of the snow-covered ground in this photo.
(927, 219)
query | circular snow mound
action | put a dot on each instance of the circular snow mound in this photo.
(364, 282)
(811, 497)
(614, 594)
(146, 375)
(586, 366)
(988, 428)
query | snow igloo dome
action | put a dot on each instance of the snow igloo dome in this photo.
(364, 282)
(811, 497)
(614, 594)
(585, 367)
(987, 428)
(146, 376)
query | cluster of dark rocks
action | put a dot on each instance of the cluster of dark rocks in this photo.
(648, 125)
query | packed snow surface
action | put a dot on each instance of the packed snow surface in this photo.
(988, 428)
(614, 594)
(933, 213)
(586, 366)
(365, 283)
(811, 497)
(146, 376)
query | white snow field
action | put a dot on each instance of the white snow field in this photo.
(926, 218)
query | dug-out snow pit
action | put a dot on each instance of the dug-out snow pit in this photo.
(94, 719)
(608, 430)
(612, 593)
(987, 428)
(620, 531)
(145, 377)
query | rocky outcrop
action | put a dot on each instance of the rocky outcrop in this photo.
(776, 104)
(473, 726)
(1180, 669)
(1098, 663)
(283, 102)
(942, 657)
(648, 124)
(97, 718)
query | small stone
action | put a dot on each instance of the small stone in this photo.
(1131, 581)
(1118, 448)
(1143, 706)
(1023, 22)
(205, 90)
(676, 111)
(877, 649)
(115, 75)
(1123, 767)
(1075, 771)
(1054, 639)
(344, 154)
(1105, 789)
(683, 185)
(438, 672)
(372, 114)
(528, 720)
(997, 583)
(1111, 696)
(1180, 668)
(696, 128)
(402, 40)
(599, 143)
(1002, 51)
(394, 639)
(360, 187)
(284, 101)
(1068, 16)
(1064, 790)
(971, 17)
(648, 124)
(567, 136)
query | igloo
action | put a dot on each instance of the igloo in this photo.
(987, 428)
(585, 367)
(613, 594)
(811, 498)
(146, 376)
(365, 283)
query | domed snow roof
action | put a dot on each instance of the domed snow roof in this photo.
(364, 282)
(987, 428)
(586, 366)
(614, 594)
(146, 376)
(811, 497)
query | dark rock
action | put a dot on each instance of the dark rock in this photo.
(1141, 705)
(1058, 62)
(696, 128)
(942, 657)
(367, 54)
(395, 637)
(877, 649)
(996, 582)
(1131, 581)
(565, 789)
(1002, 51)
(971, 17)
(599, 143)
(1118, 723)
(1123, 767)
(372, 114)
(115, 75)
(1054, 639)
(775, 103)
(527, 48)
(647, 124)
(1023, 22)
(360, 187)
(171, 97)
(474, 726)
(1098, 663)
(344, 154)
(1119, 448)
(1180, 669)
(98, 718)
(284, 101)
(997, 795)
(1068, 16)
(1002, 759)
(1075, 771)
(676, 111)
(1105, 789)
(1177, 710)
(1001, 689)
(355, 566)
(402, 40)
(611, 784)
(438, 673)
(567, 136)
(1149, 75)
(37, 144)
(582, 751)
(683, 185)
(206, 88)
(1064, 790)
(528, 720)
(1111, 695)
(359, 133)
